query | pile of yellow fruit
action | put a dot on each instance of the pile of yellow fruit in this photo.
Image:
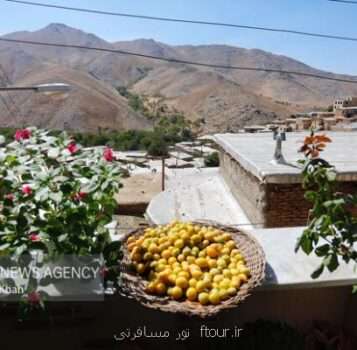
(189, 262)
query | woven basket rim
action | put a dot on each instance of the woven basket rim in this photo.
(133, 286)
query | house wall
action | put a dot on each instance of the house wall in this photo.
(270, 205)
(246, 188)
(286, 205)
(94, 325)
(344, 103)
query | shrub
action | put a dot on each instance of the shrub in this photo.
(187, 134)
(130, 140)
(158, 147)
(7, 134)
(123, 91)
(136, 103)
(55, 196)
(212, 160)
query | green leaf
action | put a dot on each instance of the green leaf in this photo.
(354, 289)
(62, 238)
(60, 178)
(331, 262)
(42, 194)
(306, 244)
(111, 252)
(42, 214)
(5, 246)
(335, 202)
(317, 273)
(310, 196)
(331, 175)
(53, 153)
(21, 249)
(322, 250)
(41, 245)
(56, 196)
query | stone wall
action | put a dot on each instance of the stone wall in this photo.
(246, 188)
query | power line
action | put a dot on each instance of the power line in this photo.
(3, 99)
(344, 1)
(178, 61)
(187, 21)
(8, 82)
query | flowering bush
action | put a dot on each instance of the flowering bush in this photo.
(55, 195)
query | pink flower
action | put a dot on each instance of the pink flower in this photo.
(108, 154)
(22, 134)
(26, 189)
(72, 148)
(80, 196)
(34, 297)
(10, 197)
(34, 237)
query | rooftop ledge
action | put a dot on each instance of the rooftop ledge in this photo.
(203, 195)
(255, 152)
(287, 269)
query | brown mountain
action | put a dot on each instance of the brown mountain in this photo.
(92, 104)
(224, 99)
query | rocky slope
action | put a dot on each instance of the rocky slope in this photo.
(224, 99)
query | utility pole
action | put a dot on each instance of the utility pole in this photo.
(163, 173)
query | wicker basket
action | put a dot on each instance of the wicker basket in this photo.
(133, 286)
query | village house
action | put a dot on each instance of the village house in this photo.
(346, 102)
(346, 107)
(271, 193)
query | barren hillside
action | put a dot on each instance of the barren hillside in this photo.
(224, 99)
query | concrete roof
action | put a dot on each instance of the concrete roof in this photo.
(181, 155)
(196, 194)
(255, 152)
(138, 190)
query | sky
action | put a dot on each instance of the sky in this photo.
(320, 16)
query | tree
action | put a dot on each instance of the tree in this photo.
(212, 160)
(123, 91)
(158, 147)
(136, 103)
